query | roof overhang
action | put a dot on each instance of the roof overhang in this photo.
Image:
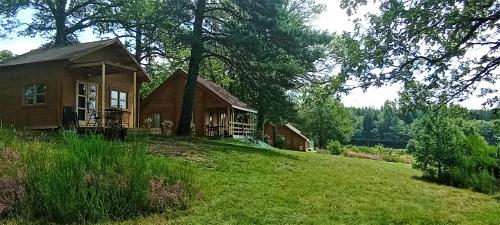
(143, 74)
(111, 68)
(295, 130)
(245, 109)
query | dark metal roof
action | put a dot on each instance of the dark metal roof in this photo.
(58, 53)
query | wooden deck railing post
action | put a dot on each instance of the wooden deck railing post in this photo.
(134, 110)
(103, 94)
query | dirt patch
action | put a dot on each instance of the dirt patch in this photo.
(186, 150)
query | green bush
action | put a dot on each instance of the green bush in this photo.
(334, 147)
(89, 179)
(450, 150)
(280, 142)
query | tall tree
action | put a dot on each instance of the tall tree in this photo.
(325, 117)
(449, 47)
(368, 125)
(389, 126)
(145, 25)
(249, 38)
(59, 20)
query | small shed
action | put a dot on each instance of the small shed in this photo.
(216, 112)
(294, 139)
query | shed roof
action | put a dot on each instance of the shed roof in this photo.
(70, 52)
(297, 131)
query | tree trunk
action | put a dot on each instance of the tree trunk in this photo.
(61, 38)
(261, 119)
(138, 43)
(194, 67)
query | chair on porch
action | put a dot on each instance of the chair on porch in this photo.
(94, 116)
(70, 118)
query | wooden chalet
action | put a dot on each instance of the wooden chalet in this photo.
(294, 139)
(216, 112)
(82, 83)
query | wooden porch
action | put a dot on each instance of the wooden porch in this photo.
(228, 122)
(97, 101)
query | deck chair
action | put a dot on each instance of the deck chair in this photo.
(70, 119)
(94, 117)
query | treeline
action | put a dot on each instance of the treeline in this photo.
(391, 127)
(324, 119)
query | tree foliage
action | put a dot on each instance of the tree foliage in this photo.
(60, 20)
(325, 118)
(446, 47)
(264, 46)
(5, 54)
(449, 149)
(146, 25)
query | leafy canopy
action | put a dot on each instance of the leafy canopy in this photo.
(447, 47)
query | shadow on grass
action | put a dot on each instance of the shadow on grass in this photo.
(435, 181)
(214, 145)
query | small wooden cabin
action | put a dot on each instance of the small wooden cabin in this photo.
(294, 139)
(86, 79)
(216, 112)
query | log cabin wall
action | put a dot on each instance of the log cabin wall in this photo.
(166, 100)
(13, 80)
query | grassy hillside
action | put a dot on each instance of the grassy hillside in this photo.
(245, 185)
(239, 184)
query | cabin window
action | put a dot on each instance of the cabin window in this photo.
(35, 94)
(119, 99)
(156, 120)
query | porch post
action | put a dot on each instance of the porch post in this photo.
(134, 110)
(103, 94)
(228, 121)
(232, 119)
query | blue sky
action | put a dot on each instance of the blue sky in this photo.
(333, 20)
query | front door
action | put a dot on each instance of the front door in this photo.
(86, 102)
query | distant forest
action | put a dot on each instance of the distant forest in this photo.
(390, 127)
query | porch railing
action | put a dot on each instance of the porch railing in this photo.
(241, 129)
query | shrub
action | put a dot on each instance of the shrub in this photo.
(280, 142)
(334, 147)
(12, 181)
(90, 179)
(450, 150)
(148, 123)
(166, 127)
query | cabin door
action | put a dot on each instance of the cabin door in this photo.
(86, 102)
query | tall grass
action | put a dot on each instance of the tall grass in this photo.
(88, 179)
(378, 153)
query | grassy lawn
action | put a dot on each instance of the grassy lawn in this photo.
(239, 184)
(245, 185)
